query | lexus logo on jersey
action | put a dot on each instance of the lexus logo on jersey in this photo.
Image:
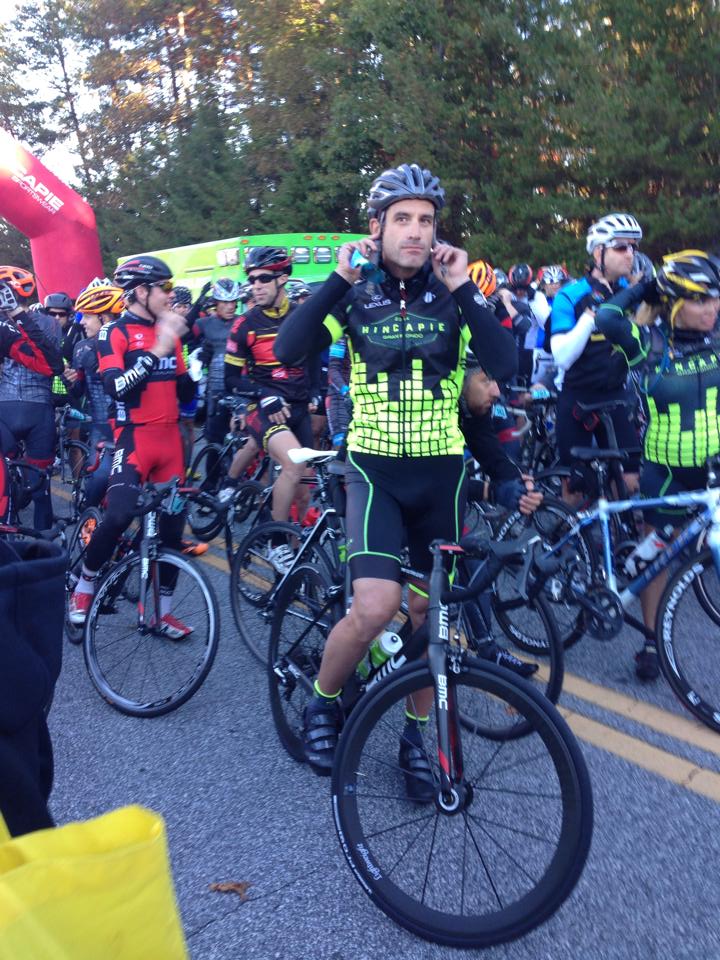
(36, 188)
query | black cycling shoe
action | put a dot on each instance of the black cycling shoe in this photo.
(420, 785)
(321, 728)
(503, 658)
(647, 666)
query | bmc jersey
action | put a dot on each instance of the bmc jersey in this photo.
(143, 388)
(600, 367)
(250, 350)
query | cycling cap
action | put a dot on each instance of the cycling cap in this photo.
(138, 270)
(181, 295)
(554, 273)
(225, 290)
(689, 275)
(406, 182)
(274, 259)
(297, 289)
(613, 226)
(106, 299)
(520, 275)
(22, 281)
(643, 265)
(483, 276)
(58, 301)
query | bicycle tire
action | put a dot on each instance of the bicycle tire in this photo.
(553, 519)
(535, 791)
(210, 483)
(710, 604)
(253, 581)
(687, 647)
(101, 645)
(77, 545)
(303, 616)
(548, 679)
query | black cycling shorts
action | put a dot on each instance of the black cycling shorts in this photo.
(394, 501)
(658, 480)
(573, 428)
(262, 430)
(32, 422)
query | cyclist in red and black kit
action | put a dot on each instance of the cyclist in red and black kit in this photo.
(143, 371)
(281, 420)
(25, 341)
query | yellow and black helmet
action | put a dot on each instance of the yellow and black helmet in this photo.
(689, 275)
(101, 299)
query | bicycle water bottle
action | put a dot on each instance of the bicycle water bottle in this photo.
(368, 270)
(646, 551)
(381, 649)
(384, 647)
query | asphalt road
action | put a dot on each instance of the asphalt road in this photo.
(238, 809)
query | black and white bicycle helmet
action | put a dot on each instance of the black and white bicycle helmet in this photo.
(406, 182)
(225, 290)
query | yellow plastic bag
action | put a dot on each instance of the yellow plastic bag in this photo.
(96, 890)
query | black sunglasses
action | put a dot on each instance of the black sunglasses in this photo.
(58, 313)
(262, 278)
(622, 246)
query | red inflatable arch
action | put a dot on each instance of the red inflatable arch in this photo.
(59, 224)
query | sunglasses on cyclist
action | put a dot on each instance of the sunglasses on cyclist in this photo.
(58, 313)
(165, 285)
(262, 278)
(622, 246)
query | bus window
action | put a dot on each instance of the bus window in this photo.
(301, 255)
(322, 255)
(229, 257)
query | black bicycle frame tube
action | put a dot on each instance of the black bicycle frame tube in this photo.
(449, 747)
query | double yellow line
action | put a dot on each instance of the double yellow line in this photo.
(663, 763)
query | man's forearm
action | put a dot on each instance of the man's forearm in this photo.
(303, 331)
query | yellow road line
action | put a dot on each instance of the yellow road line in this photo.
(684, 728)
(676, 769)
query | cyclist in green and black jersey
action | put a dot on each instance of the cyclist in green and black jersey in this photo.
(407, 335)
(679, 366)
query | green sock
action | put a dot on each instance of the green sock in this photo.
(325, 696)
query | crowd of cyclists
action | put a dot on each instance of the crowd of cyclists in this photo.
(408, 360)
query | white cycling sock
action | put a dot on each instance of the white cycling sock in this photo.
(86, 583)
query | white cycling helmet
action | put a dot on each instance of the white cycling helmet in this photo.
(225, 290)
(613, 226)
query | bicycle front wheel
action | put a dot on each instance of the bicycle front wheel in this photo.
(138, 669)
(305, 612)
(688, 640)
(510, 856)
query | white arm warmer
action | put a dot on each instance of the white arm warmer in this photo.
(567, 347)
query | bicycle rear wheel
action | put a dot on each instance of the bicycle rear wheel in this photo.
(303, 616)
(135, 669)
(510, 856)
(552, 520)
(688, 640)
(538, 619)
(254, 577)
(84, 529)
(210, 479)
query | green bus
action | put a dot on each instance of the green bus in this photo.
(314, 256)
